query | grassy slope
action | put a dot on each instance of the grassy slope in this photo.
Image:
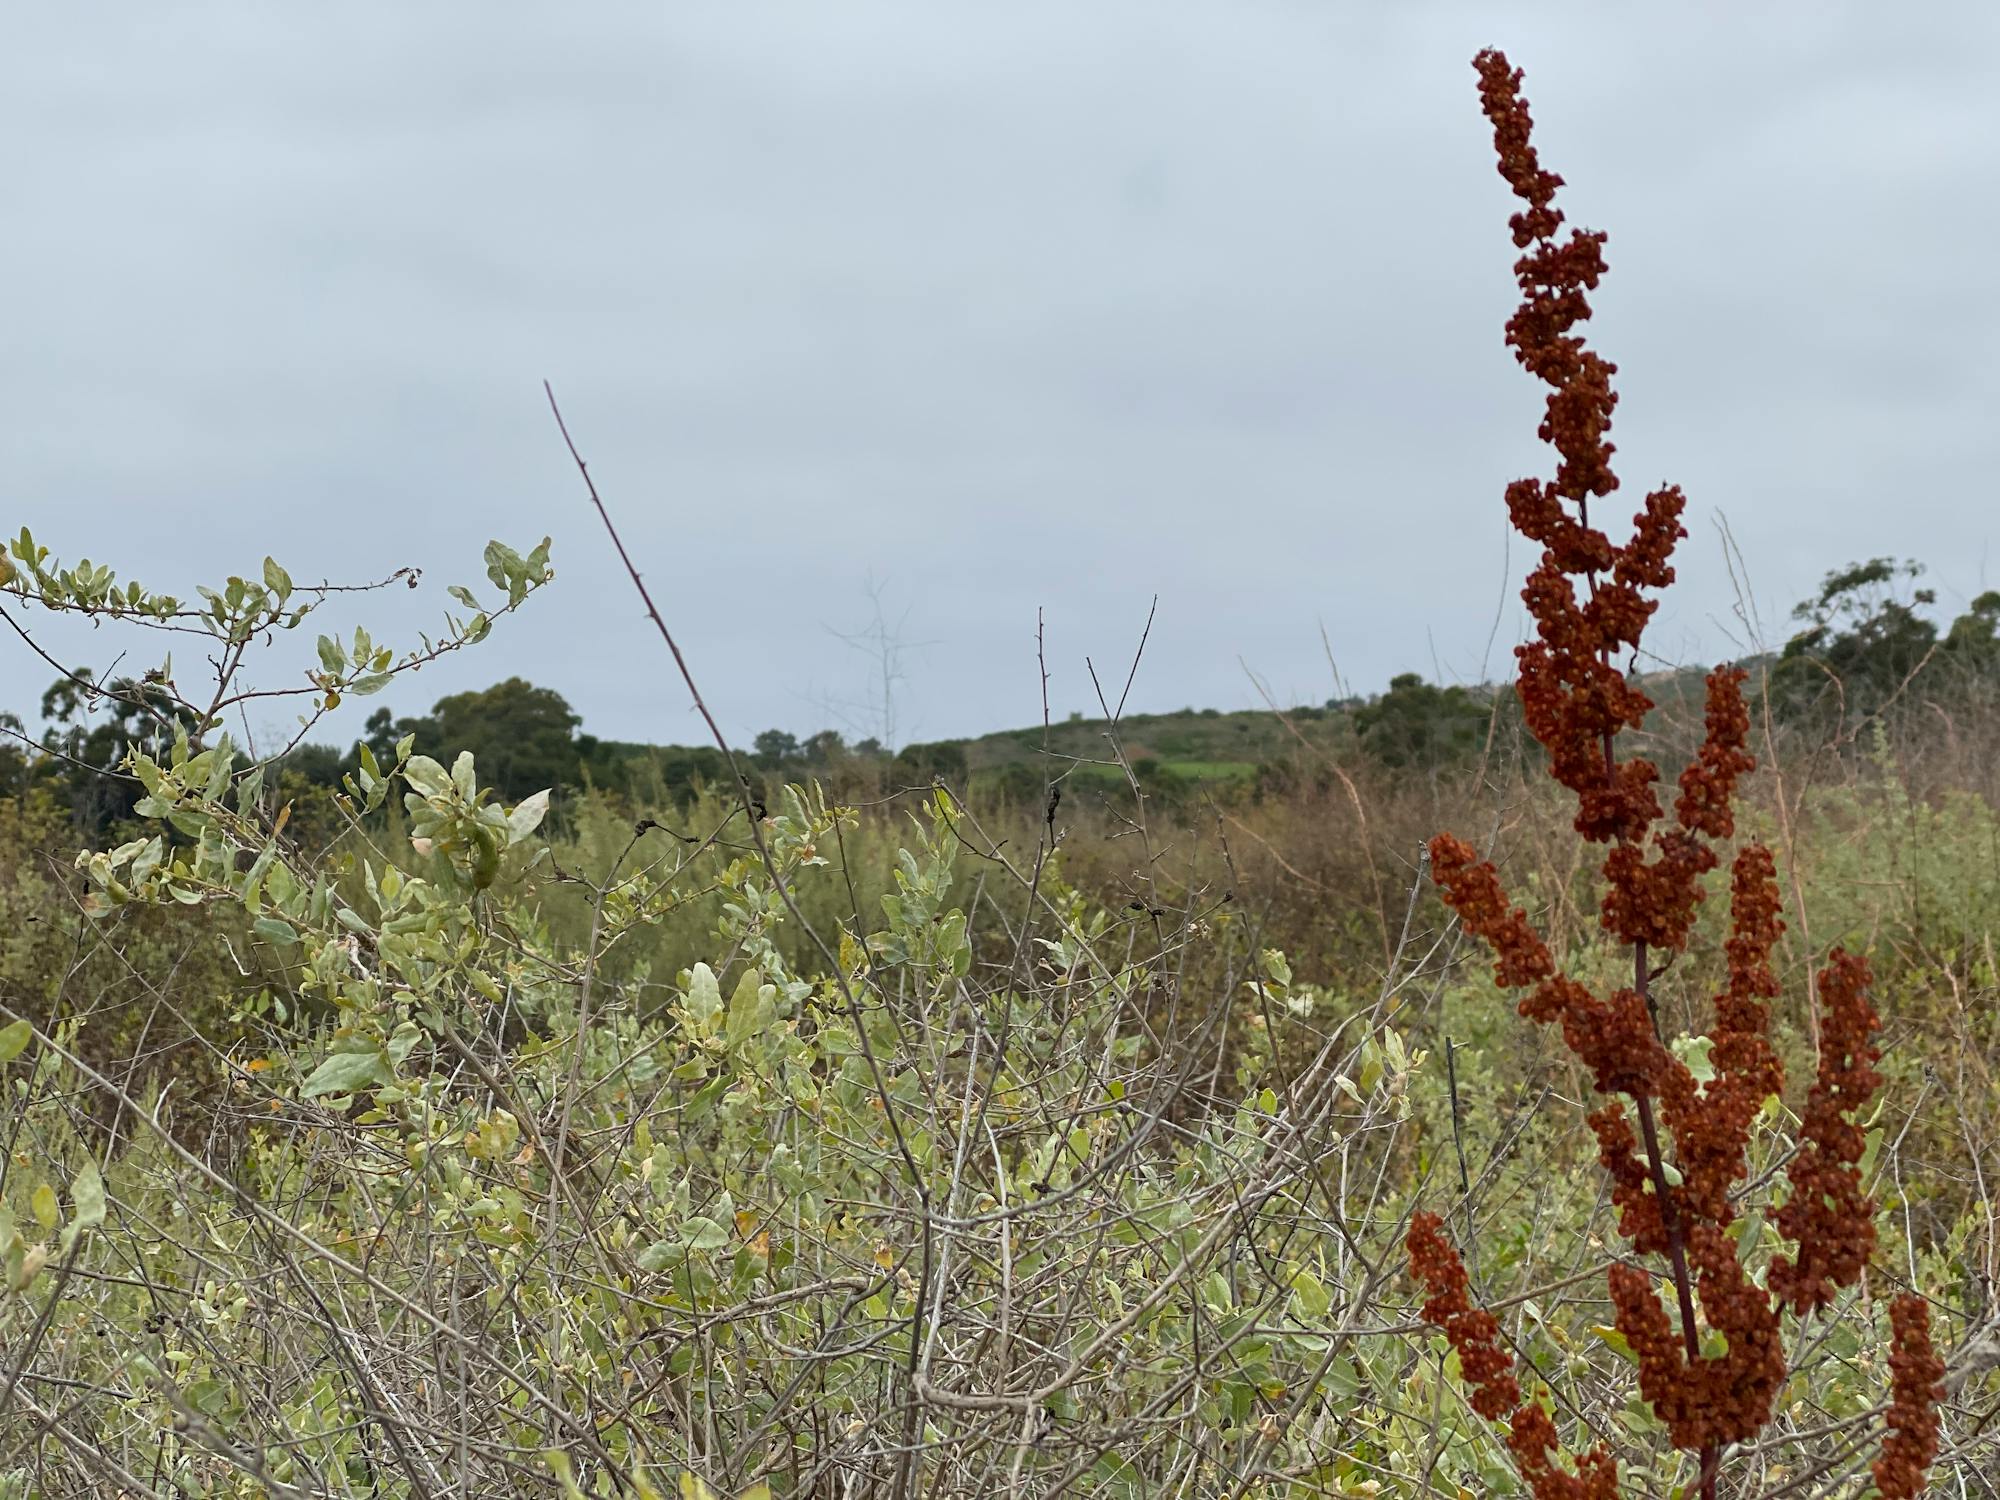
(1195, 744)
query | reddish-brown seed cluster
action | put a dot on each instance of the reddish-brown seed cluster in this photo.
(1471, 1330)
(1916, 1386)
(1496, 1394)
(1711, 1126)
(1531, 1437)
(1827, 1215)
(1713, 1399)
(1572, 697)
(1614, 1037)
(1588, 599)
(1653, 901)
(1639, 1217)
(1472, 886)
(1709, 784)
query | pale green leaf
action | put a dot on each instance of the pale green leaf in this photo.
(659, 1256)
(704, 1234)
(344, 1072)
(273, 929)
(704, 999)
(14, 1040)
(1694, 1051)
(1615, 1342)
(752, 1008)
(1313, 1297)
(426, 775)
(86, 1194)
(527, 816)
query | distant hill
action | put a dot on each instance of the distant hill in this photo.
(1195, 744)
(1414, 723)
(528, 736)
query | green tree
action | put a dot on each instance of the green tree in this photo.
(383, 729)
(1974, 638)
(1862, 638)
(14, 761)
(775, 746)
(824, 748)
(1417, 723)
(942, 761)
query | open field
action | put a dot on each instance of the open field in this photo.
(1576, 1086)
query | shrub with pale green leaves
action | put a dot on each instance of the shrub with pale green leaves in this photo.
(974, 1196)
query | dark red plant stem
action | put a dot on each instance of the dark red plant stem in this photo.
(1675, 1250)
(1710, 1454)
(1670, 1216)
(1649, 1132)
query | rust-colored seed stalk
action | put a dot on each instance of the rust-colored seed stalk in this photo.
(1916, 1377)
(1590, 600)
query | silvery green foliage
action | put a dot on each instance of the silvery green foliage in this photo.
(971, 1198)
(492, 1195)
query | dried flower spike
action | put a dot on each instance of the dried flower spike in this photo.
(1828, 1216)
(1916, 1388)
(1590, 600)
(1472, 1331)
(1496, 1394)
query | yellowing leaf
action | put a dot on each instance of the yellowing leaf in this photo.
(1614, 1341)
(43, 1201)
(32, 1261)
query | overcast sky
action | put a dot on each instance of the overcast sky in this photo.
(1008, 306)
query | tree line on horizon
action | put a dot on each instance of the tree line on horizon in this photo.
(1863, 642)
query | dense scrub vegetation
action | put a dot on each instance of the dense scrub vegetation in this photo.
(488, 1110)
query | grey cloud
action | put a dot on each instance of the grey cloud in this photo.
(1016, 306)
